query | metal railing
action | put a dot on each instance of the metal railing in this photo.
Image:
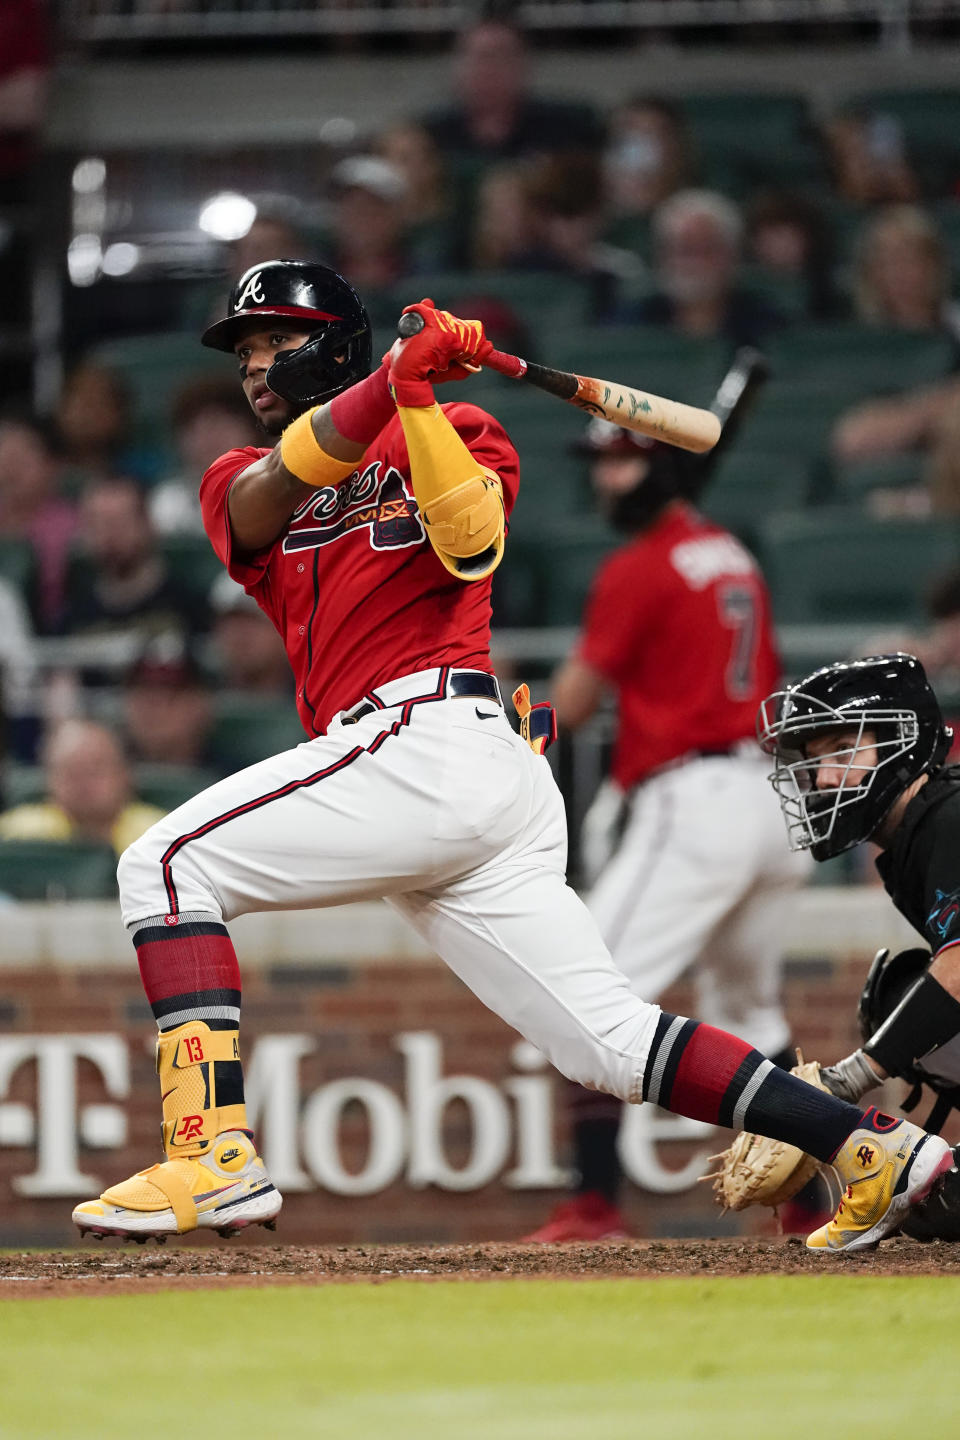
(137, 20)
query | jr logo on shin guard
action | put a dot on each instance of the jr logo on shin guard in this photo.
(190, 1128)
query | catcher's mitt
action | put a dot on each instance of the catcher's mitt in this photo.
(758, 1171)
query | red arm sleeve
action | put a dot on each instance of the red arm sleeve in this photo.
(214, 493)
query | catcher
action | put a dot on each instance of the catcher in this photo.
(860, 750)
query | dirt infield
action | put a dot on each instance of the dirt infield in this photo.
(123, 1268)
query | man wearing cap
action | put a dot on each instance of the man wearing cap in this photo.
(683, 848)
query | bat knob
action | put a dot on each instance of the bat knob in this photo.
(410, 324)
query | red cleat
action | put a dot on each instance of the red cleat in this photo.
(590, 1216)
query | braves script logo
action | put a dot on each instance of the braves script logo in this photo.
(251, 292)
(364, 501)
(943, 914)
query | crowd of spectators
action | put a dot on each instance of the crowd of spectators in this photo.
(100, 533)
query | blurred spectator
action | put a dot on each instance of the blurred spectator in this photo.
(426, 205)
(648, 156)
(868, 157)
(122, 585)
(168, 706)
(275, 233)
(791, 242)
(367, 229)
(495, 115)
(697, 238)
(33, 510)
(210, 416)
(504, 227)
(89, 792)
(902, 272)
(94, 428)
(567, 197)
(895, 424)
(246, 650)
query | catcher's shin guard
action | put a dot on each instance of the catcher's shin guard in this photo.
(212, 1177)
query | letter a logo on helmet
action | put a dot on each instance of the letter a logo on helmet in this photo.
(251, 291)
(312, 300)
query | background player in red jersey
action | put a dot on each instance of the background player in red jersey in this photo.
(368, 535)
(683, 849)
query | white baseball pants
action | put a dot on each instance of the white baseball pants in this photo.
(441, 809)
(703, 878)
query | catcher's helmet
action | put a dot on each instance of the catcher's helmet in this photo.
(886, 702)
(340, 347)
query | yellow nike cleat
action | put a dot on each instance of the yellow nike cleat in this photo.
(224, 1190)
(886, 1174)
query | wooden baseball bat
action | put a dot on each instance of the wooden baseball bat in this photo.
(685, 426)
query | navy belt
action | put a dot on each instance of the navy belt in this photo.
(476, 683)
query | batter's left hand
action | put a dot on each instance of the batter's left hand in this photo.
(447, 348)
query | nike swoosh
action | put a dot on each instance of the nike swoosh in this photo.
(481, 716)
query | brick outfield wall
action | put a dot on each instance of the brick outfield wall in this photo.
(355, 1012)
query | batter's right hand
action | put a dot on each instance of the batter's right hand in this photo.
(447, 348)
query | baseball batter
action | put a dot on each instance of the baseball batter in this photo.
(368, 534)
(678, 629)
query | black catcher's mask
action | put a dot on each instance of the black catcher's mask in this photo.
(315, 298)
(884, 700)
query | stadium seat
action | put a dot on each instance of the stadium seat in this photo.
(855, 482)
(650, 357)
(168, 786)
(192, 562)
(745, 140)
(18, 565)
(863, 360)
(931, 128)
(751, 485)
(537, 297)
(564, 563)
(830, 566)
(57, 870)
(249, 729)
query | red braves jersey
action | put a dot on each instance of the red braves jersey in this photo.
(353, 585)
(678, 621)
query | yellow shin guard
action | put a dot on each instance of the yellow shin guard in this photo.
(192, 1063)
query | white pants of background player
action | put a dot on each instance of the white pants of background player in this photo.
(453, 820)
(702, 877)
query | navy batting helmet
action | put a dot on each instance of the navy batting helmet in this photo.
(339, 350)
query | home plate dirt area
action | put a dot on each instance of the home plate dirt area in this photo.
(107, 1266)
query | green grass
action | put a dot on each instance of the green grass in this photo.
(793, 1358)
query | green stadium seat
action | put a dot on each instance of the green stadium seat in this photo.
(650, 357)
(862, 360)
(750, 486)
(57, 870)
(168, 786)
(537, 297)
(855, 482)
(931, 127)
(247, 729)
(18, 566)
(191, 561)
(564, 563)
(22, 784)
(745, 140)
(841, 566)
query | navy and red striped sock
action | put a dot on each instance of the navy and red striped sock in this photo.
(707, 1074)
(189, 970)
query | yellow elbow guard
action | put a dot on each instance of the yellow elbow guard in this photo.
(305, 458)
(460, 500)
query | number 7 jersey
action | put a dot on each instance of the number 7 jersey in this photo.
(678, 622)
